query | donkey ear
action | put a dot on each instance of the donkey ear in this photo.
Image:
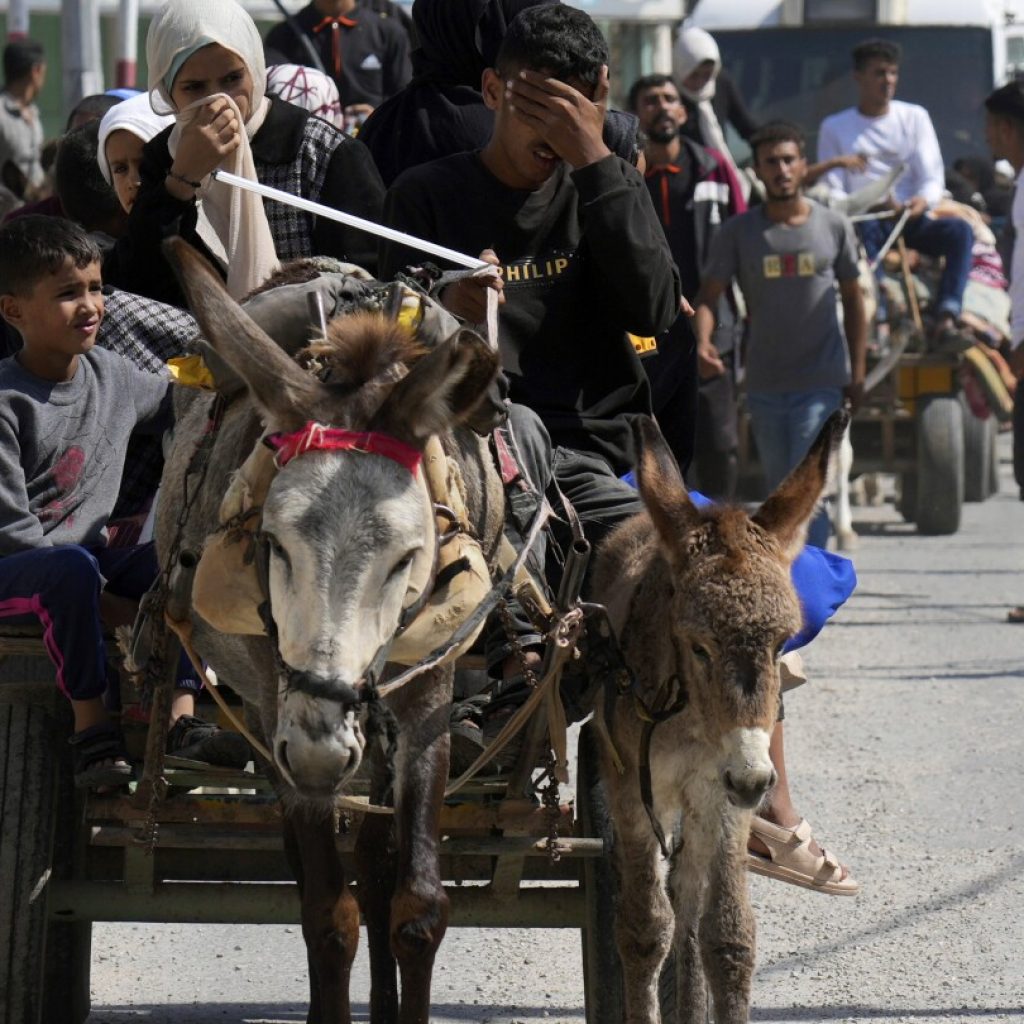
(441, 389)
(787, 512)
(277, 384)
(661, 486)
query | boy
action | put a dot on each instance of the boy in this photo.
(67, 409)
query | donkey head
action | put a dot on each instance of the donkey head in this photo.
(732, 605)
(350, 533)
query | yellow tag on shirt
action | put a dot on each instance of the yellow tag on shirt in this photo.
(643, 346)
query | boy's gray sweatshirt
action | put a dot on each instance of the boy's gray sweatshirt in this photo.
(62, 447)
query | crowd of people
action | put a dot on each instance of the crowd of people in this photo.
(642, 271)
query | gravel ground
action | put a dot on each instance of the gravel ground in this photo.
(905, 754)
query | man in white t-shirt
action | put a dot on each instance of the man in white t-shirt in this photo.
(1004, 131)
(888, 133)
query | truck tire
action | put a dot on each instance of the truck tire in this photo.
(940, 465)
(979, 443)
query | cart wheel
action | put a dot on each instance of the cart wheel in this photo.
(940, 465)
(979, 453)
(44, 966)
(602, 969)
(907, 503)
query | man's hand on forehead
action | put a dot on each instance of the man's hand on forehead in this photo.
(570, 122)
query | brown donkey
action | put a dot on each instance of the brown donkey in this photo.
(702, 604)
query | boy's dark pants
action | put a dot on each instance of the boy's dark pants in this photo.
(60, 588)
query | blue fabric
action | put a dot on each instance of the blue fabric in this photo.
(823, 581)
(785, 424)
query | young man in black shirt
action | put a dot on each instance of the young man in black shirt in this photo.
(583, 260)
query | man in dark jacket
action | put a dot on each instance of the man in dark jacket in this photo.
(365, 51)
(694, 190)
(583, 260)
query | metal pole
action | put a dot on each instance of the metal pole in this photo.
(80, 36)
(127, 43)
(17, 19)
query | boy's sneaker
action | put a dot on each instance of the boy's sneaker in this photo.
(199, 740)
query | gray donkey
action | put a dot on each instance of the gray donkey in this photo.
(702, 604)
(350, 535)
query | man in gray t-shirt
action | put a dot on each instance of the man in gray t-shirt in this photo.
(787, 256)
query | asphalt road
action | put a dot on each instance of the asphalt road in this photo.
(905, 753)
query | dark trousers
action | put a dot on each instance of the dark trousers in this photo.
(672, 372)
(599, 497)
(949, 237)
(59, 587)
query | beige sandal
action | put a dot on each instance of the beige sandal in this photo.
(790, 859)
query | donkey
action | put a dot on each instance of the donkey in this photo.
(702, 604)
(350, 535)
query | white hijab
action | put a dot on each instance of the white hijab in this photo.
(307, 88)
(693, 47)
(238, 229)
(133, 115)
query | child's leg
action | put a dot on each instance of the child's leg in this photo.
(59, 588)
(130, 572)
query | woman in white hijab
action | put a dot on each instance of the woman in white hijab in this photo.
(710, 95)
(206, 68)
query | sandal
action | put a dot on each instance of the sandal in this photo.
(100, 760)
(790, 859)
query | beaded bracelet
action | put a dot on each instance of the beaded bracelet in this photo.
(185, 181)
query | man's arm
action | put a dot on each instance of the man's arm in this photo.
(397, 66)
(926, 168)
(830, 147)
(855, 326)
(709, 362)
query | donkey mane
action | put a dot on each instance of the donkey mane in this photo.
(360, 348)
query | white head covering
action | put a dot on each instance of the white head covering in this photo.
(235, 225)
(134, 115)
(182, 26)
(307, 88)
(693, 47)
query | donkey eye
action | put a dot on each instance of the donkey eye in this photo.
(276, 548)
(700, 653)
(403, 563)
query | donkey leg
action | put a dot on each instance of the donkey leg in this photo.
(375, 864)
(727, 924)
(688, 883)
(419, 908)
(330, 916)
(643, 927)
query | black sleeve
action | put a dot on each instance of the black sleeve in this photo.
(397, 65)
(408, 209)
(352, 184)
(736, 111)
(136, 262)
(638, 281)
(281, 41)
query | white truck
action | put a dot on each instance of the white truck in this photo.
(791, 58)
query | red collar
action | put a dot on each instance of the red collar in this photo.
(662, 169)
(315, 437)
(329, 22)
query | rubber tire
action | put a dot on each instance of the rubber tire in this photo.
(979, 441)
(940, 465)
(907, 503)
